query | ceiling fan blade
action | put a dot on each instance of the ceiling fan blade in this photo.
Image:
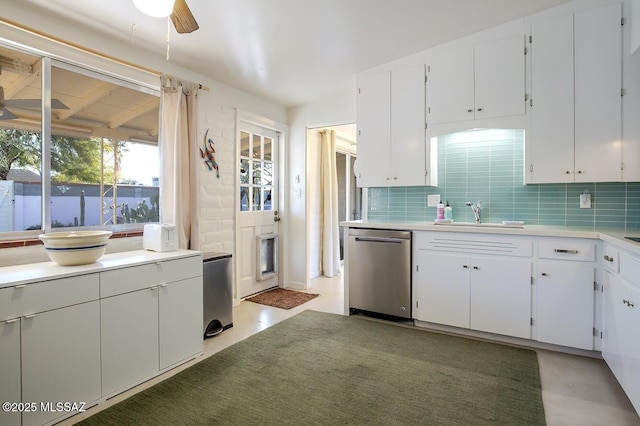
(32, 103)
(5, 114)
(182, 18)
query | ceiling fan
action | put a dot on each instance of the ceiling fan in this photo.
(177, 10)
(5, 114)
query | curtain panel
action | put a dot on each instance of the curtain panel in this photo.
(178, 153)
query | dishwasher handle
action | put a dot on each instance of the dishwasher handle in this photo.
(381, 240)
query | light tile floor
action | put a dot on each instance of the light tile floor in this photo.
(575, 390)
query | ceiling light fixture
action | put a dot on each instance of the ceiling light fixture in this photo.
(155, 8)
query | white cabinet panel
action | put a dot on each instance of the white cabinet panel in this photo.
(408, 148)
(129, 335)
(501, 296)
(598, 101)
(374, 129)
(180, 324)
(576, 83)
(477, 82)
(565, 304)
(43, 296)
(451, 86)
(10, 388)
(499, 78)
(441, 288)
(552, 116)
(621, 343)
(391, 129)
(56, 372)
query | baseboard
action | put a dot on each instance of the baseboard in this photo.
(294, 285)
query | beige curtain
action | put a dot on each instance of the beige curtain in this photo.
(178, 151)
(330, 231)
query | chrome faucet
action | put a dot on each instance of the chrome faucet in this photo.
(477, 209)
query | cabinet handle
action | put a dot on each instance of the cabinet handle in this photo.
(469, 110)
(30, 316)
(608, 258)
(479, 109)
(566, 251)
(387, 178)
(544, 274)
(476, 268)
(163, 285)
(11, 321)
(155, 287)
(580, 172)
(20, 286)
(630, 304)
(465, 266)
(568, 172)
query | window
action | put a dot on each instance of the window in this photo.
(98, 165)
(256, 172)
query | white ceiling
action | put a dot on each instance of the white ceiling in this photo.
(295, 51)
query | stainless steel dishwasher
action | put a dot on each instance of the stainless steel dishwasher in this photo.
(380, 271)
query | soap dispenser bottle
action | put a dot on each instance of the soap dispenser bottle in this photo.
(448, 212)
(440, 211)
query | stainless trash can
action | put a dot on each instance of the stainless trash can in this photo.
(217, 293)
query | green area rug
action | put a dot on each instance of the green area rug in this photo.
(325, 369)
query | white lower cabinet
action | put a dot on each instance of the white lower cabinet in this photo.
(81, 338)
(180, 321)
(60, 359)
(490, 293)
(10, 390)
(155, 312)
(621, 336)
(565, 304)
(129, 339)
(564, 280)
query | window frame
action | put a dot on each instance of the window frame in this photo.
(48, 61)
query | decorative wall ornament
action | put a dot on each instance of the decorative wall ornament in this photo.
(207, 152)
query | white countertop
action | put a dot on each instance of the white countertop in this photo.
(614, 236)
(19, 274)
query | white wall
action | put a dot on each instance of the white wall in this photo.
(334, 110)
(217, 112)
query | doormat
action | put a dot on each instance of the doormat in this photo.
(281, 298)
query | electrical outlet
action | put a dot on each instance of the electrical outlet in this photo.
(585, 201)
(433, 200)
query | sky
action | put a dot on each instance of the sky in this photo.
(141, 163)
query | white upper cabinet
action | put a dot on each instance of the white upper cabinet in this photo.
(576, 107)
(391, 129)
(477, 82)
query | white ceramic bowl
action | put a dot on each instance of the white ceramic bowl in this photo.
(75, 247)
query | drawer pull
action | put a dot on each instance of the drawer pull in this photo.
(465, 266)
(566, 251)
(476, 268)
(544, 274)
(30, 316)
(11, 321)
(20, 286)
(608, 258)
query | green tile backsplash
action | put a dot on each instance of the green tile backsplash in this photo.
(488, 165)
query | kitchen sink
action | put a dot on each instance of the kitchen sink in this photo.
(505, 224)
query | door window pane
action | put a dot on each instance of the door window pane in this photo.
(244, 171)
(267, 173)
(245, 142)
(256, 200)
(268, 143)
(257, 147)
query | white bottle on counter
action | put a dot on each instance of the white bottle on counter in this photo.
(440, 211)
(448, 212)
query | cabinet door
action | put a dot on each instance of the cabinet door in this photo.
(621, 343)
(10, 369)
(565, 304)
(374, 129)
(60, 358)
(408, 161)
(499, 78)
(442, 288)
(598, 101)
(129, 331)
(501, 296)
(450, 86)
(180, 321)
(550, 147)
